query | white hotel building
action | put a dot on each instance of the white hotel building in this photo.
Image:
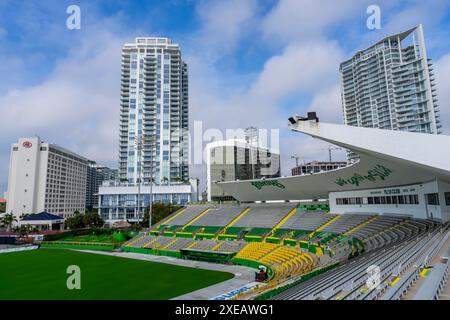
(45, 177)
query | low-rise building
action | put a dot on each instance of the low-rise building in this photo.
(119, 201)
(237, 159)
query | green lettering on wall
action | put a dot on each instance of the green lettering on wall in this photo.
(378, 173)
(264, 183)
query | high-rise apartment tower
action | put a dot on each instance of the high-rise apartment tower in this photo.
(153, 112)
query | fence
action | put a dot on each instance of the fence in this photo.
(79, 245)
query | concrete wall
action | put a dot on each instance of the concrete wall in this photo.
(421, 210)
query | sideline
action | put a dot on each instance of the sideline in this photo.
(18, 249)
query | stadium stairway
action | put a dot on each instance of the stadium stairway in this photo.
(281, 222)
(169, 244)
(232, 222)
(133, 241)
(217, 246)
(195, 219)
(149, 243)
(361, 225)
(170, 218)
(323, 226)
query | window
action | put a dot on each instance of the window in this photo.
(348, 201)
(433, 199)
(447, 198)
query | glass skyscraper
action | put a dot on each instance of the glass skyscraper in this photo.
(153, 113)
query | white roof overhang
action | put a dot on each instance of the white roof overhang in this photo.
(387, 159)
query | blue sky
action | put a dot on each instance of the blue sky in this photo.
(251, 63)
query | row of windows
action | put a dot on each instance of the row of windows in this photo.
(411, 199)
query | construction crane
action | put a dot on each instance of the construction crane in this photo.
(330, 148)
(296, 157)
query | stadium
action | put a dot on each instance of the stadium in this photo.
(377, 229)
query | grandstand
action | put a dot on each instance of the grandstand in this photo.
(348, 281)
(291, 242)
(184, 216)
(219, 216)
(265, 215)
(345, 223)
(307, 220)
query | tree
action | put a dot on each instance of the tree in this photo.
(24, 230)
(23, 216)
(137, 226)
(159, 211)
(92, 219)
(7, 221)
(75, 222)
(79, 221)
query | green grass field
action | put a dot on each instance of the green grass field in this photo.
(41, 274)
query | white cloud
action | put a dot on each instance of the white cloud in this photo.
(224, 23)
(327, 103)
(301, 67)
(307, 19)
(428, 13)
(77, 106)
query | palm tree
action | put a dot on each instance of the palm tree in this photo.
(179, 180)
(24, 230)
(7, 220)
(23, 216)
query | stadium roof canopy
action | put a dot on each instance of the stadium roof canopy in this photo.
(387, 159)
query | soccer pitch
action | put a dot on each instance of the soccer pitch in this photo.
(41, 274)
